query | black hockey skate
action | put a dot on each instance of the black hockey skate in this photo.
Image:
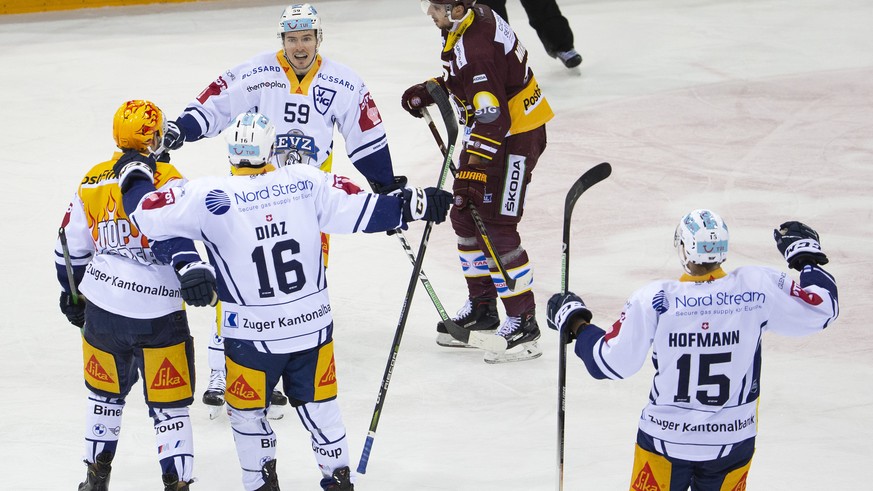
(341, 480)
(277, 403)
(172, 482)
(97, 478)
(570, 59)
(477, 314)
(521, 334)
(214, 395)
(271, 480)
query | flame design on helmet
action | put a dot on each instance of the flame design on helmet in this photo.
(138, 125)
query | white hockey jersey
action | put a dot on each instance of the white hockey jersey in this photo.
(262, 234)
(304, 112)
(705, 338)
(122, 274)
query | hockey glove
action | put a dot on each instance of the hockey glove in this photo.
(415, 98)
(394, 188)
(75, 312)
(175, 136)
(799, 244)
(197, 282)
(562, 313)
(133, 166)
(428, 204)
(469, 188)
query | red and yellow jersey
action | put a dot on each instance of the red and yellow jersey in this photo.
(122, 274)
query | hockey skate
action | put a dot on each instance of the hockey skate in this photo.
(477, 314)
(277, 403)
(271, 480)
(172, 482)
(570, 59)
(521, 334)
(341, 480)
(214, 395)
(97, 478)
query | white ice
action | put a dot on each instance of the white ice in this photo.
(760, 110)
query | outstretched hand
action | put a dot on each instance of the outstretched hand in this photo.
(564, 311)
(799, 244)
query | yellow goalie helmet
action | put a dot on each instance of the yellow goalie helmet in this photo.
(139, 125)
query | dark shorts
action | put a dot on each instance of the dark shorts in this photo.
(118, 350)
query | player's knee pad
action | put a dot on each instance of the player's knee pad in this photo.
(518, 268)
(175, 440)
(324, 423)
(474, 263)
(103, 422)
(167, 374)
(255, 443)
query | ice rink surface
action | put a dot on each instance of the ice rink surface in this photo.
(762, 111)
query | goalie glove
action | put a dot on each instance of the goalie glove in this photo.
(799, 244)
(562, 312)
(197, 284)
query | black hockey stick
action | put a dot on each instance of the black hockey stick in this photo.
(74, 292)
(594, 175)
(445, 107)
(452, 132)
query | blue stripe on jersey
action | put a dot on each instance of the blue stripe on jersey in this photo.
(363, 211)
(386, 214)
(222, 273)
(366, 146)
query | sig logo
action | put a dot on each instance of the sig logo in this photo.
(486, 107)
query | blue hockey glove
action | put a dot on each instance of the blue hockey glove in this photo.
(799, 244)
(133, 166)
(175, 136)
(562, 312)
(428, 204)
(197, 282)
(395, 189)
(75, 312)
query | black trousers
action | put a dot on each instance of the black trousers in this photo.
(545, 18)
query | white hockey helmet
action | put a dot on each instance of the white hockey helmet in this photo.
(250, 140)
(701, 238)
(299, 17)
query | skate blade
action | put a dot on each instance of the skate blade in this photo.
(215, 411)
(522, 352)
(275, 412)
(485, 340)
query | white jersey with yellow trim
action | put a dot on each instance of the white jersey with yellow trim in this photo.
(122, 274)
(705, 338)
(304, 111)
(262, 233)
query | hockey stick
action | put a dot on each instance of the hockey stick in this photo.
(74, 292)
(452, 131)
(594, 175)
(445, 107)
(488, 342)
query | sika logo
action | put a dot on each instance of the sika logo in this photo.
(241, 389)
(741, 486)
(329, 377)
(96, 370)
(645, 480)
(167, 377)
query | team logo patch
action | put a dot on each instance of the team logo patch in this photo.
(346, 184)
(370, 116)
(322, 98)
(660, 302)
(159, 199)
(217, 202)
(808, 297)
(214, 88)
(645, 480)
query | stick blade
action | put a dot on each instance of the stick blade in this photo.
(591, 177)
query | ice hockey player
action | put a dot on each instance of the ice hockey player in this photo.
(505, 113)
(134, 325)
(306, 96)
(262, 230)
(705, 329)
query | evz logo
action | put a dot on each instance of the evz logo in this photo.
(322, 98)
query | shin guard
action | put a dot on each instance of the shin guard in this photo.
(255, 444)
(175, 441)
(103, 422)
(329, 445)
